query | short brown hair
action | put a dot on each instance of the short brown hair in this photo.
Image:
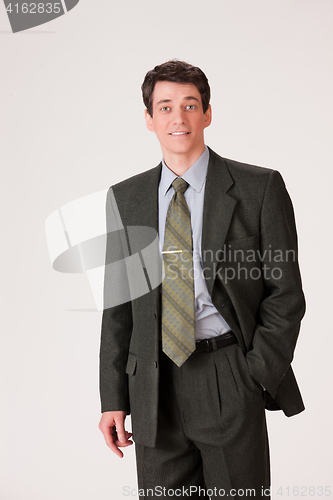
(179, 72)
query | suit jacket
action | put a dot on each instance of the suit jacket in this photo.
(249, 252)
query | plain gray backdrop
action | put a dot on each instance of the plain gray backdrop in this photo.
(72, 123)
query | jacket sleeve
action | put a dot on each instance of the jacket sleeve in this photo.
(283, 304)
(117, 316)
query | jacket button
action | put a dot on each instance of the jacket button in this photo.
(155, 316)
(155, 364)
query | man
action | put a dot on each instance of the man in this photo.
(197, 359)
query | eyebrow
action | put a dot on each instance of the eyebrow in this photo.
(187, 98)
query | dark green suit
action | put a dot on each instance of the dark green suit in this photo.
(249, 250)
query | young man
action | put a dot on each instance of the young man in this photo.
(198, 358)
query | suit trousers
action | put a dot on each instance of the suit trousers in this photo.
(212, 436)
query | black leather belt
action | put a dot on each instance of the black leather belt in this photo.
(213, 343)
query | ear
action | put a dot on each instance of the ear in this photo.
(149, 121)
(208, 117)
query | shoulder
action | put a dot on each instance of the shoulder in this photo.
(137, 182)
(250, 185)
(245, 177)
(240, 170)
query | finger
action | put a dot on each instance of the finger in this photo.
(122, 444)
(120, 429)
(127, 442)
(116, 450)
(112, 442)
(110, 436)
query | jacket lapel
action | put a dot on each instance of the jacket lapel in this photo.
(217, 214)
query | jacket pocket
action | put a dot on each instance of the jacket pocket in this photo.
(131, 364)
(251, 242)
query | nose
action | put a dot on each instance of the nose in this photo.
(179, 116)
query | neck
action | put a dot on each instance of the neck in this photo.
(179, 164)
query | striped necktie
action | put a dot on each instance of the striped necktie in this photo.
(178, 321)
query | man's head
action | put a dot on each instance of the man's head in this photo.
(178, 72)
(177, 98)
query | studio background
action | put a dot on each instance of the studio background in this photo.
(72, 123)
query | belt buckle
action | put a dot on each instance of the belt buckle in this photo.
(207, 345)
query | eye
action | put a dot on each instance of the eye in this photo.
(165, 108)
(190, 106)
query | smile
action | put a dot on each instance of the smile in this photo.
(179, 133)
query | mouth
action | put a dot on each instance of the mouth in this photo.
(175, 134)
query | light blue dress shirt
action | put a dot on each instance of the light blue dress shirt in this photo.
(208, 321)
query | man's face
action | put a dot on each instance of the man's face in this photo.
(178, 118)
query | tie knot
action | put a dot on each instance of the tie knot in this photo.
(179, 185)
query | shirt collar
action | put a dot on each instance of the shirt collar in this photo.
(195, 175)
